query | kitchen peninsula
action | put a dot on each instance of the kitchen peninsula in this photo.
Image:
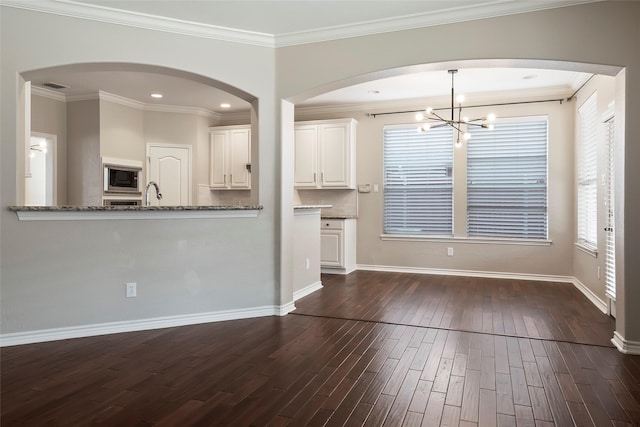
(50, 213)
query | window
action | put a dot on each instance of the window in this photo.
(507, 180)
(418, 184)
(587, 168)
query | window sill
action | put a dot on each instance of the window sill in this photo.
(472, 240)
(586, 248)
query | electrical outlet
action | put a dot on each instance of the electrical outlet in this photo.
(449, 251)
(375, 188)
(132, 290)
(598, 272)
(307, 264)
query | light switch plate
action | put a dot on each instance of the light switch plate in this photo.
(364, 188)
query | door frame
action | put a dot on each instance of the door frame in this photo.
(189, 149)
(52, 162)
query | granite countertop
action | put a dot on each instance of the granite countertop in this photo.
(312, 206)
(129, 208)
(333, 216)
(74, 213)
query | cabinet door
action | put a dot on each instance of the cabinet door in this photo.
(334, 155)
(306, 155)
(218, 165)
(239, 158)
(331, 248)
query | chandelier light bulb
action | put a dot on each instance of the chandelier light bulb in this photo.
(491, 117)
(426, 126)
(419, 116)
(460, 99)
(466, 136)
(465, 119)
(458, 144)
(429, 110)
(420, 129)
(490, 126)
(32, 155)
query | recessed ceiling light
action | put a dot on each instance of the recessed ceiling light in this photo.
(530, 76)
(374, 92)
(156, 95)
(225, 105)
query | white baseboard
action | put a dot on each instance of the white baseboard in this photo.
(343, 271)
(624, 346)
(595, 300)
(599, 303)
(44, 335)
(307, 290)
(468, 273)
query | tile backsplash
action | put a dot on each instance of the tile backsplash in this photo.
(344, 202)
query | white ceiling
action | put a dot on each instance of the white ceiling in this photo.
(307, 18)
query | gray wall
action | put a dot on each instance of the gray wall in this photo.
(84, 174)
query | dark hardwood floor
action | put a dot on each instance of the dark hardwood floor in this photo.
(368, 349)
(528, 309)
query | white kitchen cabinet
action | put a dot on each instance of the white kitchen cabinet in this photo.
(325, 154)
(230, 158)
(338, 245)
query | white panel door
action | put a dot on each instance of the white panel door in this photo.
(334, 152)
(239, 158)
(306, 154)
(170, 167)
(218, 167)
(331, 248)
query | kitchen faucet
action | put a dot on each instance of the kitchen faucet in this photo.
(146, 192)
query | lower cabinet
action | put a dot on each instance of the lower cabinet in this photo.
(338, 245)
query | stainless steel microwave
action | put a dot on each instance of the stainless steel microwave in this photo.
(122, 179)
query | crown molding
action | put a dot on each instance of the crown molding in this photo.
(452, 15)
(487, 9)
(121, 100)
(48, 93)
(110, 15)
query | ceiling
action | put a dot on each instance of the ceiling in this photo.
(305, 17)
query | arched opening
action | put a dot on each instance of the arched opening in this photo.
(358, 97)
(123, 113)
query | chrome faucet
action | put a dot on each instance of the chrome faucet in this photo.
(146, 193)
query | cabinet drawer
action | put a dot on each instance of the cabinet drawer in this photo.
(331, 224)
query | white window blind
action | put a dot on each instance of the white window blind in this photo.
(507, 180)
(418, 183)
(610, 254)
(587, 169)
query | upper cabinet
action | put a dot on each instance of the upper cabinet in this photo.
(230, 167)
(325, 154)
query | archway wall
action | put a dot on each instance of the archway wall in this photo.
(66, 274)
(603, 33)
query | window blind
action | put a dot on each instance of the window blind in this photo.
(507, 180)
(418, 182)
(587, 169)
(610, 250)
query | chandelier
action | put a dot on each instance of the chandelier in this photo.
(461, 125)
